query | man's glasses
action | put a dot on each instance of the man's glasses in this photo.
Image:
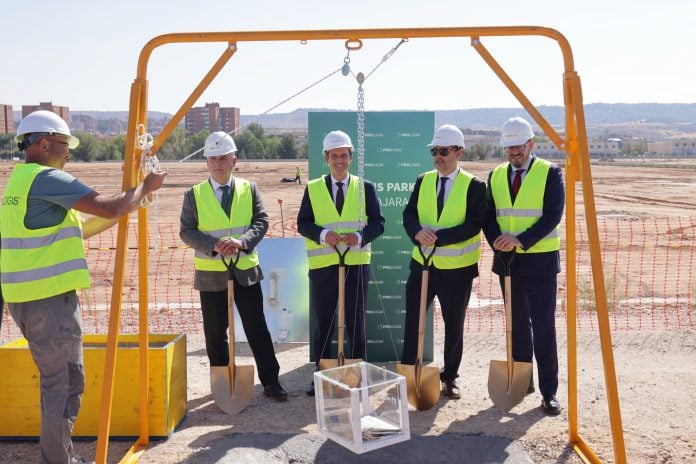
(515, 148)
(442, 151)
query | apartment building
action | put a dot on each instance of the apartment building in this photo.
(62, 111)
(212, 117)
(6, 119)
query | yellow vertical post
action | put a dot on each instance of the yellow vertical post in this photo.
(572, 176)
(143, 292)
(117, 288)
(598, 273)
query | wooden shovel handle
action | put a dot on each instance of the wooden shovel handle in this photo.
(341, 299)
(230, 326)
(423, 301)
(230, 265)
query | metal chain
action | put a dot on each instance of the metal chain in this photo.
(361, 151)
(362, 219)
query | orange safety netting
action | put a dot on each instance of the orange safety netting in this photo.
(648, 267)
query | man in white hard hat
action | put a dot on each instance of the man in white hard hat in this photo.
(43, 263)
(330, 215)
(525, 198)
(224, 216)
(445, 211)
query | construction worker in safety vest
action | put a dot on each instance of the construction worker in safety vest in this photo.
(43, 263)
(332, 214)
(525, 198)
(224, 216)
(445, 211)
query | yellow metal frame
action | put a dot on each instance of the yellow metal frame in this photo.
(577, 165)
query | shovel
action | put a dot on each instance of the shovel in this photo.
(422, 382)
(508, 380)
(231, 385)
(340, 359)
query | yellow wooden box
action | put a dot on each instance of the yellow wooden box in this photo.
(20, 409)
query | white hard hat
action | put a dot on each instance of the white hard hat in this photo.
(337, 139)
(515, 131)
(218, 144)
(448, 135)
(47, 122)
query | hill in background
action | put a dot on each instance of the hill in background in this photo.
(650, 120)
(599, 116)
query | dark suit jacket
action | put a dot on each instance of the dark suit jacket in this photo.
(475, 211)
(307, 227)
(554, 201)
(211, 281)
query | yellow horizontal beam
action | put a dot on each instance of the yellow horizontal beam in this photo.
(353, 35)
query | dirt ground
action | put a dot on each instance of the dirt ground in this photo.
(654, 369)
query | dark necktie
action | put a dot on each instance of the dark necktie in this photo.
(516, 182)
(339, 197)
(441, 196)
(225, 201)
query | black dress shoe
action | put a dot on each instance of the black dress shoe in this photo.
(275, 391)
(451, 389)
(310, 389)
(551, 406)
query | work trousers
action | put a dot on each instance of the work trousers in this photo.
(52, 327)
(249, 304)
(534, 325)
(323, 287)
(453, 289)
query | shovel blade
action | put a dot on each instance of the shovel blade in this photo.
(331, 363)
(507, 391)
(232, 393)
(422, 385)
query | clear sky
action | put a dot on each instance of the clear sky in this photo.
(83, 54)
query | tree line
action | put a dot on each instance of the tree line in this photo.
(253, 143)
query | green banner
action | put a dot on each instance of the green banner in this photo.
(396, 153)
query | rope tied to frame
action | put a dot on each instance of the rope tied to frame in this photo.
(148, 163)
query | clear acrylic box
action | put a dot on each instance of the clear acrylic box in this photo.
(362, 406)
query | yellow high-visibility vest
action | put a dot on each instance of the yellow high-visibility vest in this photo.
(456, 255)
(528, 207)
(213, 221)
(326, 215)
(38, 263)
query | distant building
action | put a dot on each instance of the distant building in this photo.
(112, 126)
(212, 117)
(674, 147)
(83, 123)
(598, 148)
(62, 111)
(6, 119)
(155, 126)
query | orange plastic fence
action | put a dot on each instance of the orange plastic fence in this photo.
(649, 267)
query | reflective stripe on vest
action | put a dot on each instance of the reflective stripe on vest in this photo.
(456, 255)
(38, 263)
(528, 207)
(326, 216)
(213, 221)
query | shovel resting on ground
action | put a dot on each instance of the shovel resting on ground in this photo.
(340, 359)
(231, 385)
(422, 382)
(508, 380)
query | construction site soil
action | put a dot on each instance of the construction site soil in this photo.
(654, 369)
